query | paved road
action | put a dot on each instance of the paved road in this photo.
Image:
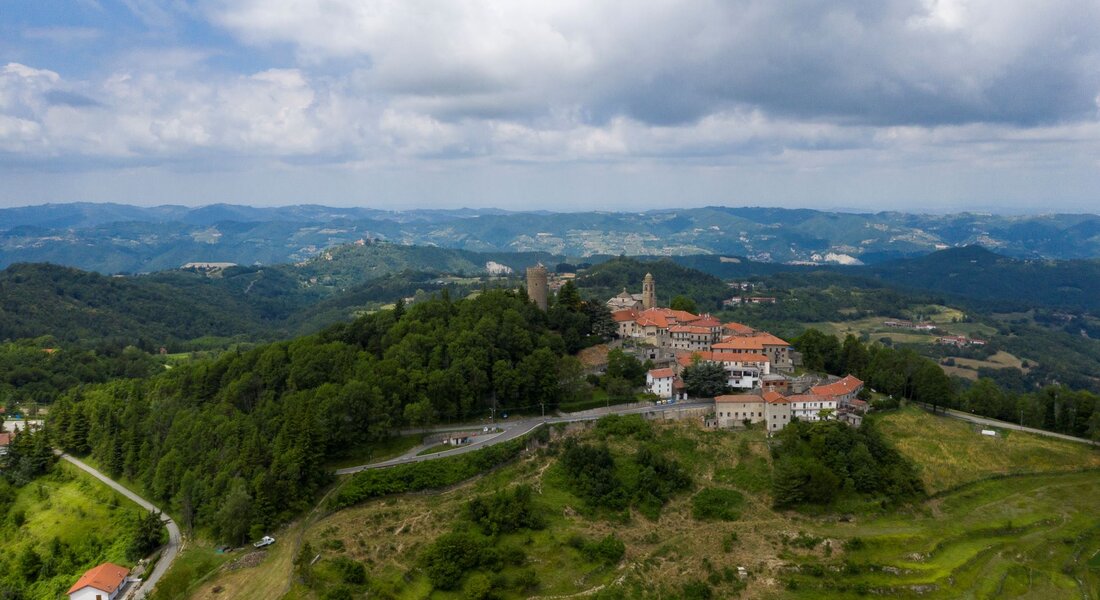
(170, 551)
(514, 429)
(986, 421)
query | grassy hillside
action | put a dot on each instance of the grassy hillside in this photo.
(1027, 536)
(71, 522)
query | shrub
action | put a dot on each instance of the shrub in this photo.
(697, 590)
(717, 504)
(505, 512)
(349, 570)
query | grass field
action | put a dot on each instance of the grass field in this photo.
(374, 452)
(1029, 535)
(87, 520)
(950, 452)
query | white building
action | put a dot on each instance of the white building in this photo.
(99, 583)
(660, 382)
(808, 407)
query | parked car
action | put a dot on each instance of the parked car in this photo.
(267, 540)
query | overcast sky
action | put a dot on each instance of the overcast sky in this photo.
(931, 105)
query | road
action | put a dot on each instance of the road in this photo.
(987, 422)
(514, 429)
(170, 551)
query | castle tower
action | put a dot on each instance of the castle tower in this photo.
(536, 285)
(649, 292)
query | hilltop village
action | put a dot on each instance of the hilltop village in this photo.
(760, 369)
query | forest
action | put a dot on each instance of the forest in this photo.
(239, 443)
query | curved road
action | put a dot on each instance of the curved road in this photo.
(170, 551)
(515, 429)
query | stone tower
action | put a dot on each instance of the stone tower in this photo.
(649, 292)
(536, 285)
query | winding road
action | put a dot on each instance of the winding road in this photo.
(517, 428)
(170, 551)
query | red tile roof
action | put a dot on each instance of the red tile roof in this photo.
(707, 321)
(775, 398)
(738, 328)
(809, 398)
(107, 577)
(740, 398)
(686, 358)
(693, 328)
(5, 439)
(678, 384)
(661, 373)
(756, 341)
(626, 314)
(838, 388)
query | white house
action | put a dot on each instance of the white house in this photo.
(660, 381)
(808, 407)
(99, 583)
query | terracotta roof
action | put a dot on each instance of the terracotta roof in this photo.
(738, 328)
(107, 577)
(626, 314)
(661, 373)
(838, 388)
(775, 398)
(740, 398)
(678, 384)
(689, 329)
(756, 341)
(5, 439)
(686, 358)
(706, 321)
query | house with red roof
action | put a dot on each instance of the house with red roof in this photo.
(777, 411)
(760, 342)
(661, 382)
(5, 441)
(100, 583)
(842, 390)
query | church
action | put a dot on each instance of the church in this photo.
(645, 300)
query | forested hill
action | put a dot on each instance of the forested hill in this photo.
(78, 306)
(240, 443)
(609, 278)
(998, 282)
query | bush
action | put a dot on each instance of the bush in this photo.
(717, 504)
(349, 570)
(697, 590)
(609, 550)
(505, 512)
(448, 559)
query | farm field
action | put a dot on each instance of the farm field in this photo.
(1031, 534)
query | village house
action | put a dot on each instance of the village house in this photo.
(743, 370)
(777, 411)
(777, 350)
(5, 441)
(809, 407)
(659, 382)
(842, 390)
(733, 410)
(959, 341)
(99, 583)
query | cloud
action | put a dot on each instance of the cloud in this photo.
(887, 62)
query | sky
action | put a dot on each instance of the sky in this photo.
(918, 105)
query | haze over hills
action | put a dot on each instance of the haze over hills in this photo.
(112, 238)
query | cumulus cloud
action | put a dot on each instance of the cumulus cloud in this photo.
(802, 84)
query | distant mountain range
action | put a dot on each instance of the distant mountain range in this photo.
(117, 238)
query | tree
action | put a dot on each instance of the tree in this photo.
(625, 366)
(235, 516)
(145, 534)
(684, 303)
(705, 379)
(569, 297)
